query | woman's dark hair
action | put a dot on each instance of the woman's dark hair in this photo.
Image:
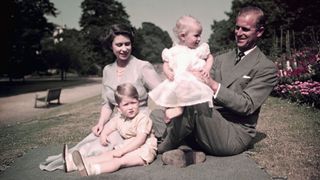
(115, 30)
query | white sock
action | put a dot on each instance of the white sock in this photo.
(96, 169)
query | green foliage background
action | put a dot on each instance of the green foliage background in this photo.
(33, 49)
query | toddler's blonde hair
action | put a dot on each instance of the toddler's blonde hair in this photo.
(125, 90)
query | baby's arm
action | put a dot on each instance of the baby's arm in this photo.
(208, 66)
(137, 142)
(109, 127)
(168, 71)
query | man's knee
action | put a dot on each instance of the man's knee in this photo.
(226, 148)
(203, 109)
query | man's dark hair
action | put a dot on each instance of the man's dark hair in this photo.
(261, 20)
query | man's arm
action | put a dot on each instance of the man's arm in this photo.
(251, 97)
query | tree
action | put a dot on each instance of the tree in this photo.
(64, 51)
(222, 36)
(27, 27)
(150, 42)
(97, 17)
(282, 16)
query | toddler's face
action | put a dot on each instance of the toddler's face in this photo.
(193, 36)
(129, 107)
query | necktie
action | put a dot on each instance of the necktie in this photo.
(239, 56)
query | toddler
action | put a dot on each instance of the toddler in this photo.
(138, 146)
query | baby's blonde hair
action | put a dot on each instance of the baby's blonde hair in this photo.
(183, 24)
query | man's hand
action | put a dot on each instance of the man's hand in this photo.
(201, 76)
(205, 73)
(206, 79)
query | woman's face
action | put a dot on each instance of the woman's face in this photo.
(121, 47)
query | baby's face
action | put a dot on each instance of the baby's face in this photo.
(193, 36)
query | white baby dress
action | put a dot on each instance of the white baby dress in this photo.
(185, 89)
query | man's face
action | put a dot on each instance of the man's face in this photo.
(246, 32)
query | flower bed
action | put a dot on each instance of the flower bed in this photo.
(299, 77)
(301, 92)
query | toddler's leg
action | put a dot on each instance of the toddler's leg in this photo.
(172, 112)
(128, 160)
(93, 166)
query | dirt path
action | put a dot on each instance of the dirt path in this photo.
(19, 108)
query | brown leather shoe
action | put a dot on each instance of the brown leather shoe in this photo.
(183, 157)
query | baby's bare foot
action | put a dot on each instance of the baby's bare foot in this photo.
(172, 112)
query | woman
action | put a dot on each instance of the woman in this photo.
(125, 69)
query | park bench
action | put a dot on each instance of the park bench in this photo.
(51, 95)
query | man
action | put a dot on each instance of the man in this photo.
(241, 84)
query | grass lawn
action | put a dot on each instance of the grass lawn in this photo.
(290, 147)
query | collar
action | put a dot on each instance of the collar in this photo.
(247, 51)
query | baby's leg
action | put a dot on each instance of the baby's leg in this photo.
(172, 112)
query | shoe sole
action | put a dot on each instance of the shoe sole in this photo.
(183, 157)
(78, 161)
(196, 156)
(175, 158)
(64, 158)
